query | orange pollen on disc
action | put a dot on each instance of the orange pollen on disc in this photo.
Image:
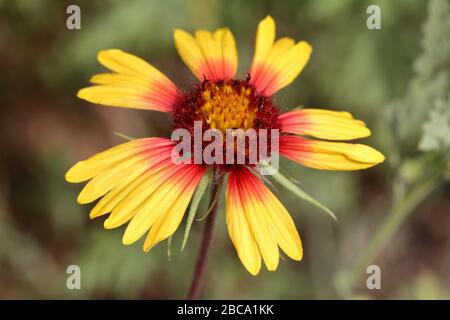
(226, 106)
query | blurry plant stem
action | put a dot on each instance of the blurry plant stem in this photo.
(403, 205)
(199, 273)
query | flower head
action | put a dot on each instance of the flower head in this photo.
(138, 183)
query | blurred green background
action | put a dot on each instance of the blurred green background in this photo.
(396, 215)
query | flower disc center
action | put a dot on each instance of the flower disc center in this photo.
(222, 105)
(227, 105)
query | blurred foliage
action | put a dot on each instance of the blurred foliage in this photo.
(431, 81)
(425, 106)
(436, 130)
(396, 79)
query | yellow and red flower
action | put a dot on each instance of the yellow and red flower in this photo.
(138, 183)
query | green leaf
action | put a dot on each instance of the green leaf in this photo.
(201, 188)
(295, 189)
(213, 203)
(123, 136)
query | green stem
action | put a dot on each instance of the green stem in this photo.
(400, 210)
(199, 273)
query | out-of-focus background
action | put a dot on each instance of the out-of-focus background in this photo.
(396, 215)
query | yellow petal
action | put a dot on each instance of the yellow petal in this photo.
(136, 84)
(209, 55)
(265, 36)
(290, 64)
(167, 223)
(282, 225)
(276, 65)
(356, 152)
(325, 155)
(85, 170)
(239, 230)
(120, 80)
(258, 223)
(229, 52)
(323, 124)
(261, 230)
(116, 195)
(137, 199)
(125, 63)
(107, 180)
(121, 191)
(159, 202)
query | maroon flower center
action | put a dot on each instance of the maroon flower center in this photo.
(224, 105)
